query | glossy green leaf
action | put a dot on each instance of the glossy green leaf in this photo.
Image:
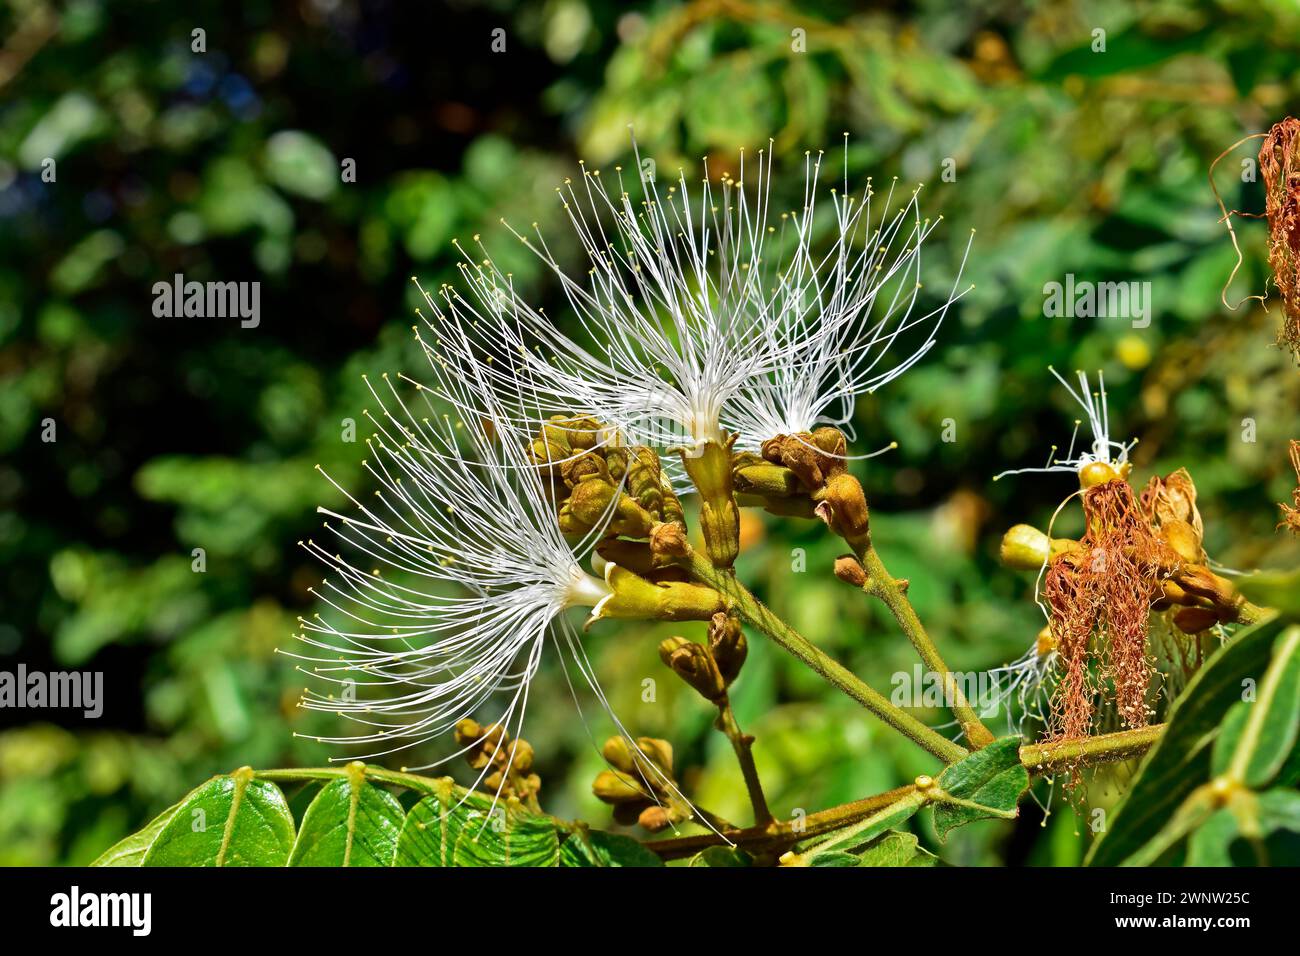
(433, 826)
(1258, 735)
(727, 856)
(1180, 761)
(862, 833)
(598, 848)
(232, 820)
(463, 828)
(987, 784)
(896, 849)
(350, 823)
(505, 838)
(131, 850)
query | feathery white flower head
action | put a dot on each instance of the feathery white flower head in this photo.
(1103, 449)
(465, 576)
(709, 314)
(842, 315)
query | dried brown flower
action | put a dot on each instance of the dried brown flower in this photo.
(1279, 164)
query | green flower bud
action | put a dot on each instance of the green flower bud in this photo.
(636, 598)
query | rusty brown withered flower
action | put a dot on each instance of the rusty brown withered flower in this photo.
(1100, 600)
(1279, 165)
(1291, 515)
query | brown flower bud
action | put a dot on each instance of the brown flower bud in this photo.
(660, 752)
(849, 570)
(694, 664)
(728, 646)
(1193, 620)
(843, 506)
(618, 754)
(655, 819)
(613, 786)
(668, 541)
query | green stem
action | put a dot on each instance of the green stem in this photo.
(742, 744)
(752, 610)
(1052, 758)
(1038, 759)
(780, 836)
(882, 584)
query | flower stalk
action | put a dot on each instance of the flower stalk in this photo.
(891, 591)
(753, 611)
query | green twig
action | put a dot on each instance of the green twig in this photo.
(752, 610)
(882, 584)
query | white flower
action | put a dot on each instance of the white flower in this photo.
(710, 314)
(860, 295)
(1029, 680)
(1102, 450)
(456, 576)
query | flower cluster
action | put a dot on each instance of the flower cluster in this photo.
(523, 479)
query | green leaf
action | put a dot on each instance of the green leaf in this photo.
(896, 849)
(233, 820)
(131, 850)
(505, 838)
(1180, 761)
(722, 856)
(1275, 589)
(1209, 844)
(833, 858)
(350, 823)
(1252, 819)
(863, 832)
(987, 784)
(1258, 735)
(433, 826)
(462, 828)
(598, 848)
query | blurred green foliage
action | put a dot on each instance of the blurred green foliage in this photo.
(177, 435)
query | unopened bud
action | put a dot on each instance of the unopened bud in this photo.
(1193, 620)
(655, 819)
(589, 465)
(467, 732)
(693, 664)
(843, 506)
(668, 541)
(618, 754)
(1203, 582)
(613, 786)
(1097, 473)
(1025, 548)
(659, 752)
(849, 570)
(728, 646)
(593, 498)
